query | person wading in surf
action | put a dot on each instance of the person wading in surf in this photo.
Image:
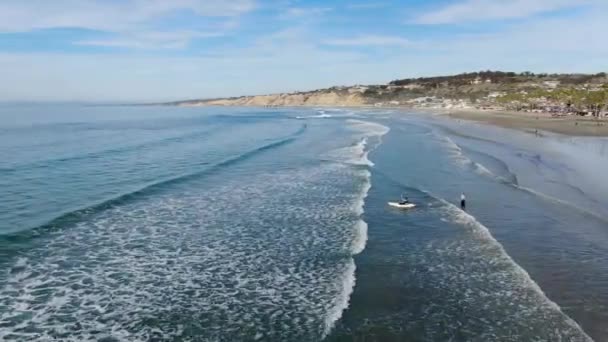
(463, 201)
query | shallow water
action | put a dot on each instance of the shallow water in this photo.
(227, 224)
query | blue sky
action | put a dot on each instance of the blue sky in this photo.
(157, 50)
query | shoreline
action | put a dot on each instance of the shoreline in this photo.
(526, 121)
(534, 122)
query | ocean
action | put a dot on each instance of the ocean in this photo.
(159, 223)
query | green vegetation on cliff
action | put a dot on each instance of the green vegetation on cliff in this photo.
(559, 93)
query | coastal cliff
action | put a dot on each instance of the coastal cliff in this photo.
(318, 98)
(583, 94)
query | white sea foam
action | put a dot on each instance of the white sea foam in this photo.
(158, 266)
(342, 301)
(367, 127)
(462, 160)
(329, 113)
(455, 151)
(21, 262)
(358, 154)
(197, 259)
(559, 201)
(522, 277)
(361, 154)
(360, 202)
(480, 169)
(318, 116)
(355, 155)
(360, 239)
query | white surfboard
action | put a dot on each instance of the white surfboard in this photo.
(402, 206)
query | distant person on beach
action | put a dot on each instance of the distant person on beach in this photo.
(463, 201)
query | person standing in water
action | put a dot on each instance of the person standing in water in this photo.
(463, 201)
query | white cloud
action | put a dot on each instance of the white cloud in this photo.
(130, 77)
(150, 40)
(366, 5)
(21, 15)
(369, 40)
(131, 20)
(572, 37)
(305, 12)
(289, 60)
(296, 57)
(487, 10)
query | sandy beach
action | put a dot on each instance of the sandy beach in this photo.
(569, 125)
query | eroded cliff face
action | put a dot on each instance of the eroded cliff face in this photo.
(300, 99)
(478, 90)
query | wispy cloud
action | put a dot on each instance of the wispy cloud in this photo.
(305, 12)
(19, 15)
(132, 21)
(571, 38)
(278, 45)
(366, 5)
(369, 40)
(150, 40)
(487, 10)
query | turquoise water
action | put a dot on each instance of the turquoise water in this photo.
(228, 224)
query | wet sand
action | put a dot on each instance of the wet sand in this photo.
(569, 125)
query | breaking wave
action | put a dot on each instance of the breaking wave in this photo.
(360, 154)
(463, 160)
(173, 265)
(77, 215)
(516, 274)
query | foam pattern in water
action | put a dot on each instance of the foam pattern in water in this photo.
(450, 282)
(265, 257)
(498, 293)
(467, 288)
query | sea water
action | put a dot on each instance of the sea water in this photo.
(239, 224)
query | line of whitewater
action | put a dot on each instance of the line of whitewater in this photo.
(367, 130)
(78, 214)
(480, 169)
(465, 219)
(201, 134)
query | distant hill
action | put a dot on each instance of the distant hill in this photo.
(563, 93)
(501, 77)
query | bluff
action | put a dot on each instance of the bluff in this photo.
(485, 89)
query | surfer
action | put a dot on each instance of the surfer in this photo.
(463, 201)
(404, 203)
